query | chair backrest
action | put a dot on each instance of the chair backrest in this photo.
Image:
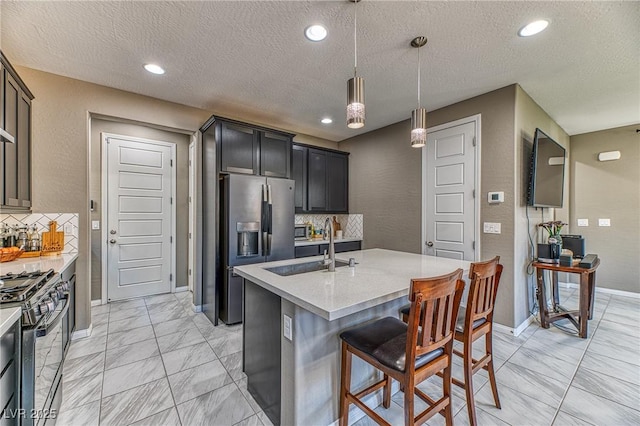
(432, 315)
(485, 278)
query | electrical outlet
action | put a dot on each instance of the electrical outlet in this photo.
(68, 228)
(583, 222)
(604, 222)
(287, 329)
(95, 225)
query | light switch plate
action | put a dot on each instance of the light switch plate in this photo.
(95, 225)
(492, 228)
(604, 222)
(68, 228)
(287, 331)
(583, 222)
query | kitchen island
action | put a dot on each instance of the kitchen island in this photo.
(296, 380)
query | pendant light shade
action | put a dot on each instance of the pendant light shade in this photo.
(355, 85)
(355, 103)
(418, 127)
(418, 115)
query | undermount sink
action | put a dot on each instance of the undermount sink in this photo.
(303, 268)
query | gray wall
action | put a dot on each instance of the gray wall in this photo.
(528, 116)
(609, 190)
(385, 186)
(98, 126)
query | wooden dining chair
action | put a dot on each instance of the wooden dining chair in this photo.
(474, 322)
(408, 353)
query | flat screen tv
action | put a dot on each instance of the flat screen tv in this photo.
(546, 181)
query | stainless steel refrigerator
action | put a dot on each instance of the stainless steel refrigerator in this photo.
(256, 225)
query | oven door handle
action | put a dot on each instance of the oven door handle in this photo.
(40, 332)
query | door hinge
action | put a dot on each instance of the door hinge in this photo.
(189, 163)
(474, 141)
(189, 271)
(473, 245)
(189, 235)
(474, 193)
(171, 239)
(170, 277)
(171, 163)
(170, 200)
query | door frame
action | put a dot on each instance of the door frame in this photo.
(191, 257)
(104, 236)
(476, 120)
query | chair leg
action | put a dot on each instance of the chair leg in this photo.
(345, 385)
(492, 374)
(386, 401)
(446, 391)
(409, 410)
(468, 381)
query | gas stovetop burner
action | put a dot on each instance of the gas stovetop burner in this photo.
(23, 274)
(19, 287)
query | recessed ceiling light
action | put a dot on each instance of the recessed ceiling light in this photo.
(533, 28)
(315, 32)
(326, 121)
(153, 68)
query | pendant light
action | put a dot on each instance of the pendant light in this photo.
(355, 85)
(418, 115)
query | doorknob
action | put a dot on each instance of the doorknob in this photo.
(112, 232)
(429, 244)
(112, 241)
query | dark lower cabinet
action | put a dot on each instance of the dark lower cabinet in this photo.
(261, 348)
(317, 249)
(322, 180)
(10, 376)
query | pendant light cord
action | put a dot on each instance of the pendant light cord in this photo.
(355, 39)
(418, 77)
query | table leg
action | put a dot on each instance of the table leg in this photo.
(592, 292)
(542, 302)
(555, 291)
(584, 303)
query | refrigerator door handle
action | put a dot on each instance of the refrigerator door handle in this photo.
(265, 219)
(270, 219)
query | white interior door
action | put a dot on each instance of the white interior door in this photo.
(450, 183)
(139, 182)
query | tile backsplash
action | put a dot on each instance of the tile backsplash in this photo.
(352, 224)
(43, 219)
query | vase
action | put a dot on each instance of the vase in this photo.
(556, 239)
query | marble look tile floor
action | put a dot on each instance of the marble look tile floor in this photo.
(153, 361)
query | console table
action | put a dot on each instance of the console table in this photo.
(587, 290)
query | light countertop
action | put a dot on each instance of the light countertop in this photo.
(44, 263)
(300, 243)
(379, 276)
(8, 316)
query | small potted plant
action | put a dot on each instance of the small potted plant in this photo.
(553, 228)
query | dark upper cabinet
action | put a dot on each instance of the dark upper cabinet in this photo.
(243, 148)
(275, 154)
(238, 149)
(322, 180)
(299, 175)
(15, 118)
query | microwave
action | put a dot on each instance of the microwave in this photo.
(302, 232)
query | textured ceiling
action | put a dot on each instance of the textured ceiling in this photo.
(250, 59)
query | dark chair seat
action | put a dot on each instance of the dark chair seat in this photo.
(386, 341)
(404, 312)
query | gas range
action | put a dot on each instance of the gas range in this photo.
(37, 293)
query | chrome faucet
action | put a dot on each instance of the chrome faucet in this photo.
(332, 251)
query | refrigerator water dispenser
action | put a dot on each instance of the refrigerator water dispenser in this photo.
(248, 234)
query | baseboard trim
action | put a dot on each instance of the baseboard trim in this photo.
(517, 330)
(181, 289)
(196, 308)
(605, 290)
(81, 334)
(96, 302)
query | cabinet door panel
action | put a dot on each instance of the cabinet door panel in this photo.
(275, 155)
(299, 175)
(2, 108)
(24, 151)
(337, 183)
(317, 189)
(238, 149)
(12, 93)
